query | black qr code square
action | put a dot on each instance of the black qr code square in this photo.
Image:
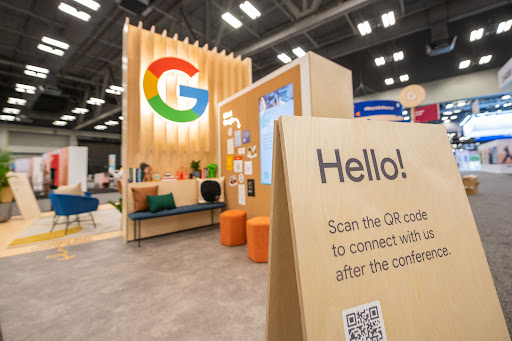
(364, 323)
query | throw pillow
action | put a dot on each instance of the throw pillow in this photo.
(73, 189)
(161, 202)
(210, 190)
(140, 201)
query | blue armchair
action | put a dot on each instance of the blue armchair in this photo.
(68, 205)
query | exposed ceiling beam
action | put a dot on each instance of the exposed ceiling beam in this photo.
(33, 15)
(101, 117)
(309, 22)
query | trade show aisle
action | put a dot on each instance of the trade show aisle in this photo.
(182, 286)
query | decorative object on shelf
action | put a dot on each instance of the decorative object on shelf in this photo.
(156, 176)
(181, 173)
(195, 165)
(6, 195)
(147, 172)
(212, 170)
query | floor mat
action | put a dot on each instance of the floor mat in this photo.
(106, 221)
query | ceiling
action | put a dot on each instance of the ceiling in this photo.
(93, 61)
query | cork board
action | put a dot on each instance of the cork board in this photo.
(384, 245)
(245, 108)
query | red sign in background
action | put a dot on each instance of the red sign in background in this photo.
(427, 113)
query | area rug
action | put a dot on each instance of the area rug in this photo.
(107, 220)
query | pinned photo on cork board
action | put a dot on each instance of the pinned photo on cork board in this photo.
(413, 255)
(230, 147)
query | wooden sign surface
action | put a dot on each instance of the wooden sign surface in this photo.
(372, 237)
(24, 195)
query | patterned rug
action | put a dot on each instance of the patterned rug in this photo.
(107, 220)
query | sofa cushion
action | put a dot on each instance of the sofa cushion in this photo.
(160, 202)
(176, 211)
(140, 201)
(72, 189)
(210, 190)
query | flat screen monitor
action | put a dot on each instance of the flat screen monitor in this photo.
(271, 106)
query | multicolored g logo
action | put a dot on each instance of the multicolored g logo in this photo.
(150, 86)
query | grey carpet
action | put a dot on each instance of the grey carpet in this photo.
(183, 286)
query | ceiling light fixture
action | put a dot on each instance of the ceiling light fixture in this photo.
(380, 61)
(121, 118)
(35, 74)
(299, 52)
(95, 101)
(111, 123)
(447, 121)
(68, 117)
(404, 78)
(250, 10)
(100, 127)
(16, 101)
(13, 111)
(485, 59)
(449, 106)
(504, 26)
(461, 104)
(364, 28)
(284, 58)
(59, 123)
(230, 19)
(80, 111)
(389, 81)
(55, 42)
(404, 112)
(464, 64)
(51, 50)
(407, 118)
(453, 117)
(74, 12)
(505, 97)
(497, 106)
(447, 113)
(457, 111)
(388, 19)
(476, 34)
(115, 90)
(37, 69)
(444, 118)
(28, 89)
(89, 4)
(397, 56)
(7, 118)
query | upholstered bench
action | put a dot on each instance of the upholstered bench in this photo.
(137, 217)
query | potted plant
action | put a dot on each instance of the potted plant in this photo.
(5, 191)
(195, 166)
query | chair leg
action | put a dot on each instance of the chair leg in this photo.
(139, 231)
(55, 219)
(78, 219)
(92, 218)
(67, 224)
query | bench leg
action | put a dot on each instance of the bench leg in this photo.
(139, 231)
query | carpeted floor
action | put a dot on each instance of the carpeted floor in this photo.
(183, 286)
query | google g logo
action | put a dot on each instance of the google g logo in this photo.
(150, 86)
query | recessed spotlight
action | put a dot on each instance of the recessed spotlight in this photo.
(230, 19)
(100, 127)
(51, 50)
(284, 58)
(95, 101)
(59, 123)
(453, 117)
(397, 56)
(476, 34)
(389, 81)
(55, 42)
(16, 101)
(449, 106)
(68, 117)
(74, 12)
(13, 111)
(485, 59)
(250, 10)
(380, 61)
(404, 78)
(364, 28)
(80, 111)
(388, 19)
(7, 118)
(299, 52)
(464, 64)
(89, 4)
(504, 26)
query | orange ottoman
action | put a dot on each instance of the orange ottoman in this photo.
(257, 239)
(232, 227)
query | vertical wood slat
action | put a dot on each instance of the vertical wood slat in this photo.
(193, 127)
(204, 136)
(132, 94)
(172, 127)
(146, 114)
(159, 126)
(183, 145)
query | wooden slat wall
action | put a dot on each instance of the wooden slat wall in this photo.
(166, 145)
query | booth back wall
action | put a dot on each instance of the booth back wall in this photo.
(149, 137)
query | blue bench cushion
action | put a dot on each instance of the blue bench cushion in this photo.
(175, 211)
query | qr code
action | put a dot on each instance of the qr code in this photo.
(364, 323)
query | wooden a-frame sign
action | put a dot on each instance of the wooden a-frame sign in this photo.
(372, 237)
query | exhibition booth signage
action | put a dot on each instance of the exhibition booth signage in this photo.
(372, 108)
(372, 240)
